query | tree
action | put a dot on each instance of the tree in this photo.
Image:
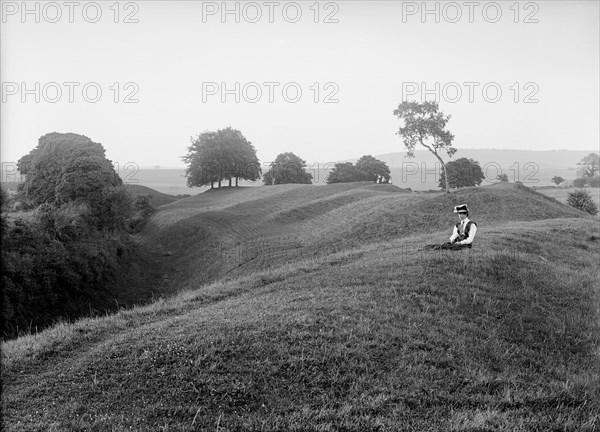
(424, 125)
(220, 155)
(67, 168)
(582, 200)
(590, 165)
(287, 168)
(502, 178)
(345, 172)
(557, 180)
(462, 172)
(245, 163)
(373, 167)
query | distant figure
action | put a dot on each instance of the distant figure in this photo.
(463, 233)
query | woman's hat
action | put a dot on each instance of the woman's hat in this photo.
(461, 209)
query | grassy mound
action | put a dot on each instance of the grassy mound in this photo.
(372, 336)
(158, 198)
(240, 230)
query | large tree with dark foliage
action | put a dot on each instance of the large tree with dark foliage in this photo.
(373, 167)
(345, 172)
(225, 154)
(287, 168)
(71, 256)
(423, 125)
(462, 172)
(67, 167)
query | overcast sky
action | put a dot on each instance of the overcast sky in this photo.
(512, 75)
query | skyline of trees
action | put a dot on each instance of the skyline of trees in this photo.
(367, 168)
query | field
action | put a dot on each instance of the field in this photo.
(315, 309)
(562, 194)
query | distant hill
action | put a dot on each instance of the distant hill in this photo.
(505, 158)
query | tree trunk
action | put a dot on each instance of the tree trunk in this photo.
(219, 183)
(229, 182)
(445, 176)
(441, 161)
(444, 168)
(236, 181)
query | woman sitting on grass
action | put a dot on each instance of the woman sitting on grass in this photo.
(463, 234)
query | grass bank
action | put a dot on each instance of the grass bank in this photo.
(378, 336)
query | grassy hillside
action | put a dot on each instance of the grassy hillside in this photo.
(338, 322)
(236, 231)
(157, 198)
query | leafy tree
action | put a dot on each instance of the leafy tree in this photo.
(424, 125)
(220, 155)
(66, 168)
(345, 172)
(502, 178)
(462, 172)
(245, 162)
(373, 167)
(557, 180)
(590, 165)
(582, 200)
(204, 161)
(287, 168)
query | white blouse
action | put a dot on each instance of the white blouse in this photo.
(472, 232)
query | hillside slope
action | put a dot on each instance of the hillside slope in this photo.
(364, 332)
(157, 198)
(236, 231)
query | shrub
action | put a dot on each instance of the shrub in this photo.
(55, 265)
(580, 182)
(502, 178)
(142, 209)
(582, 200)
